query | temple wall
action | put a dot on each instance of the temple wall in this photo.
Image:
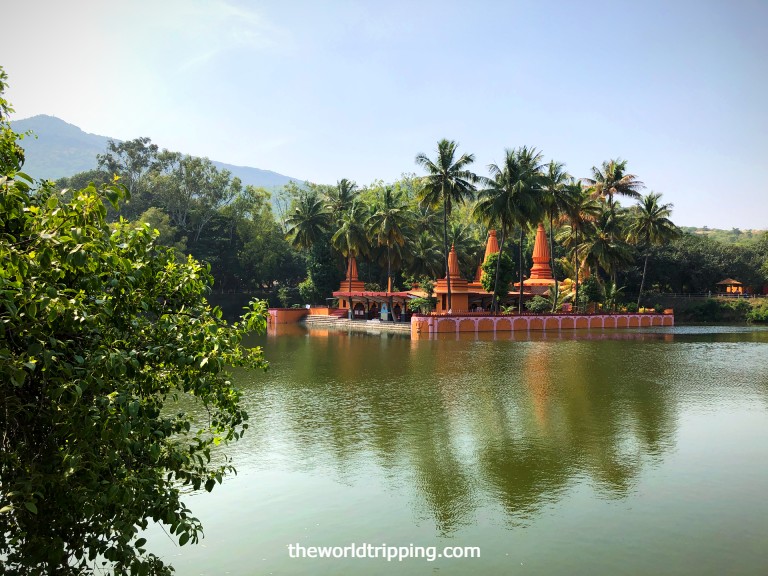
(426, 326)
(286, 315)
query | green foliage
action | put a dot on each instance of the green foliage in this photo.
(538, 304)
(557, 298)
(423, 304)
(716, 310)
(506, 274)
(307, 292)
(424, 283)
(101, 332)
(612, 296)
(590, 291)
(284, 295)
(695, 264)
(632, 307)
(759, 313)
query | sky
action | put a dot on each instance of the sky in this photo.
(332, 89)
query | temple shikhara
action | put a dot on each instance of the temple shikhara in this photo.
(466, 296)
(469, 311)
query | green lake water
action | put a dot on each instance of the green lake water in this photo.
(628, 452)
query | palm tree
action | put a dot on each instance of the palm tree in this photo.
(611, 179)
(351, 238)
(650, 226)
(308, 220)
(503, 202)
(388, 222)
(448, 182)
(527, 184)
(340, 198)
(554, 182)
(467, 239)
(606, 247)
(424, 255)
(580, 211)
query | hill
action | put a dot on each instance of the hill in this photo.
(60, 149)
(733, 236)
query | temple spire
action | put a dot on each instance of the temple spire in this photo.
(352, 269)
(453, 263)
(491, 247)
(541, 269)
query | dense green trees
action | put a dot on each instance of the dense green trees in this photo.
(204, 212)
(107, 348)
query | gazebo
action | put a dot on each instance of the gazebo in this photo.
(730, 286)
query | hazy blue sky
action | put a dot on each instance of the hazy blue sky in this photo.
(326, 90)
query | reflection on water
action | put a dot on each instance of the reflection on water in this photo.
(480, 436)
(466, 423)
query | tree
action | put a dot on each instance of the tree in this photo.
(526, 178)
(133, 161)
(100, 329)
(611, 179)
(388, 222)
(351, 238)
(604, 244)
(507, 199)
(424, 256)
(308, 220)
(448, 182)
(498, 274)
(340, 198)
(580, 211)
(650, 226)
(554, 187)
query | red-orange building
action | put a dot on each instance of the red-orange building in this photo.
(465, 295)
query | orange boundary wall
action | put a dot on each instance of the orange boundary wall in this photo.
(286, 315)
(426, 326)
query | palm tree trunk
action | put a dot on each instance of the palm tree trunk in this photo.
(552, 259)
(389, 285)
(576, 265)
(445, 245)
(494, 302)
(642, 282)
(350, 314)
(520, 297)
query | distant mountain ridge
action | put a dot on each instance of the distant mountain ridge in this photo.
(59, 149)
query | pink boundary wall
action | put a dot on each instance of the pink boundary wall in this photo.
(426, 326)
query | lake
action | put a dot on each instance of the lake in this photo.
(628, 452)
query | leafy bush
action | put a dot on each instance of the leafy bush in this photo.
(423, 305)
(307, 291)
(590, 291)
(716, 310)
(758, 313)
(632, 307)
(538, 304)
(506, 274)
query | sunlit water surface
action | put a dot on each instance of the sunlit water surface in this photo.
(627, 452)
